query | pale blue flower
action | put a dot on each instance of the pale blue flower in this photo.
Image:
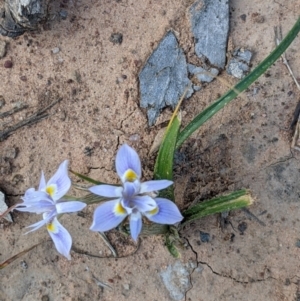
(47, 200)
(133, 198)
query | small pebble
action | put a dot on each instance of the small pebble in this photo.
(63, 14)
(55, 50)
(204, 237)
(134, 137)
(45, 298)
(243, 17)
(116, 38)
(242, 227)
(126, 286)
(11, 153)
(8, 64)
(24, 265)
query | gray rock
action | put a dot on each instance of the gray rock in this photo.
(243, 54)
(22, 15)
(177, 280)
(210, 26)
(3, 207)
(164, 77)
(203, 75)
(238, 66)
(196, 88)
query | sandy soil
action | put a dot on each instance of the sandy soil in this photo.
(244, 145)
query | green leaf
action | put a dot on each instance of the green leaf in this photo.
(234, 200)
(163, 169)
(241, 86)
(173, 241)
(172, 248)
(85, 178)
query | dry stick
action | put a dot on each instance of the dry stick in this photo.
(11, 259)
(13, 110)
(107, 242)
(3, 214)
(37, 116)
(100, 283)
(278, 38)
(78, 251)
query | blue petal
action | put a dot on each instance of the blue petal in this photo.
(38, 207)
(42, 182)
(155, 185)
(130, 189)
(46, 218)
(33, 196)
(61, 238)
(37, 225)
(142, 203)
(109, 191)
(167, 212)
(127, 158)
(61, 180)
(135, 225)
(108, 216)
(71, 206)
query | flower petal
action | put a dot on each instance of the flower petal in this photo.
(108, 216)
(130, 189)
(42, 182)
(60, 183)
(33, 196)
(61, 238)
(37, 207)
(71, 206)
(167, 212)
(108, 191)
(142, 203)
(135, 225)
(37, 225)
(155, 185)
(47, 216)
(127, 158)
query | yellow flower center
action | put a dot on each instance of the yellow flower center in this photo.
(51, 227)
(130, 175)
(51, 190)
(119, 209)
(154, 211)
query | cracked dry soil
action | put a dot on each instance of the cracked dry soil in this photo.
(249, 255)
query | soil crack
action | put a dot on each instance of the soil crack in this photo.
(222, 275)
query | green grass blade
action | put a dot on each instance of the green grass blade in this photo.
(241, 86)
(85, 178)
(235, 200)
(163, 169)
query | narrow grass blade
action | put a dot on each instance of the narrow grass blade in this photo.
(235, 200)
(241, 86)
(164, 162)
(92, 199)
(85, 178)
